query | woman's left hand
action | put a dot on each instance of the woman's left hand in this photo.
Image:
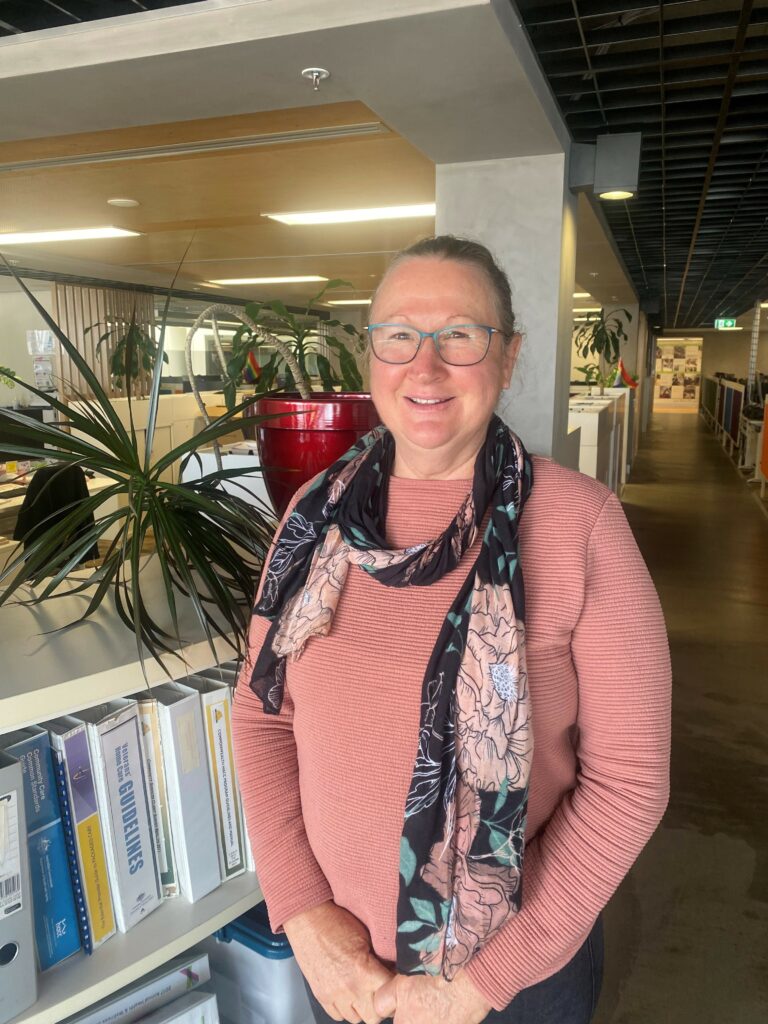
(421, 999)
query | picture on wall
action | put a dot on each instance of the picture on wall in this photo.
(678, 373)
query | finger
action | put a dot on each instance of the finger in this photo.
(367, 1011)
(352, 1015)
(385, 999)
(333, 1012)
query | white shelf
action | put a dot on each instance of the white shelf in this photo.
(174, 927)
(47, 673)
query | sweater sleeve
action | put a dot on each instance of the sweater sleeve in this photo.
(268, 774)
(572, 867)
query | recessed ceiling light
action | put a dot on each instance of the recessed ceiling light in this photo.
(582, 295)
(119, 201)
(764, 305)
(304, 279)
(617, 194)
(354, 216)
(349, 302)
(75, 235)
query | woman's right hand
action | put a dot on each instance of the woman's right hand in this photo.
(333, 950)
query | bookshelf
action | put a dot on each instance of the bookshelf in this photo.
(173, 928)
(50, 674)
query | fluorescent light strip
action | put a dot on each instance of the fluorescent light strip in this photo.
(582, 295)
(349, 302)
(354, 216)
(587, 309)
(304, 279)
(75, 235)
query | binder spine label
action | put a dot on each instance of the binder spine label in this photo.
(138, 881)
(90, 842)
(10, 856)
(56, 928)
(74, 869)
(225, 793)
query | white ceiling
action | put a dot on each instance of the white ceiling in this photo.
(451, 76)
(456, 79)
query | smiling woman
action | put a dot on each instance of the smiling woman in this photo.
(430, 601)
(439, 412)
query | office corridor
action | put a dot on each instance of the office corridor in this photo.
(687, 933)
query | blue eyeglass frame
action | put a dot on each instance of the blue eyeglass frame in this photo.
(433, 335)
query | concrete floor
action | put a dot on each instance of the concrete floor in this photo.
(687, 932)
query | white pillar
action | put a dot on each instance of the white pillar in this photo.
(522, 210)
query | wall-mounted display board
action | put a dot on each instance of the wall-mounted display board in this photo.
(678, 374)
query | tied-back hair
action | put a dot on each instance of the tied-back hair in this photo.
(474, 254)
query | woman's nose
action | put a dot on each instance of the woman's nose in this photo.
(427, 360)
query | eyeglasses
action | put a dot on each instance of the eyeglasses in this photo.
(457, 345)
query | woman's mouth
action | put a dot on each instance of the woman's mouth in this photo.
(426, 402)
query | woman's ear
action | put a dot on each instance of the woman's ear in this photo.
(511, 353)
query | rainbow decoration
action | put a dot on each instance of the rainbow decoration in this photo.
(252, 370)
(623, 377)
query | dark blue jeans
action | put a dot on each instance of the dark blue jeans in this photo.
(568, 997)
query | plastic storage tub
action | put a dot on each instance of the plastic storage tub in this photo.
(255, 975)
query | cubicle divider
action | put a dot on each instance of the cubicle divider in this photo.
(709, 395)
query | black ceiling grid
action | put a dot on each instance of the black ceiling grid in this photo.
(692, 76)
(34, 15)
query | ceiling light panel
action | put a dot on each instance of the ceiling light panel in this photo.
(303, 279)
(74, 235)
(354, 216)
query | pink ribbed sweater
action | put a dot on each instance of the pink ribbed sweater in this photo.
(324, 783)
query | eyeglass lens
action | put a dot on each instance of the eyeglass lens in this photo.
(459, 345)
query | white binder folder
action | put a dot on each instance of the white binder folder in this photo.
(190, 802)
(18, 970)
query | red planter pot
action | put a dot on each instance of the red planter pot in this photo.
(308, 437)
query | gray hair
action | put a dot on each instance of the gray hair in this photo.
(474, 254)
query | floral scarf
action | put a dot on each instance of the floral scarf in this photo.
(461, 850)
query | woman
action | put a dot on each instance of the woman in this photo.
(433, 602)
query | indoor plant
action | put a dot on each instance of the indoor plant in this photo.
(301, 334)
(134, 351)
(208, 544)
(298, 434)
(593, 375)
(602, 335)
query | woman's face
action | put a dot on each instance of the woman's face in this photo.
(438, 440)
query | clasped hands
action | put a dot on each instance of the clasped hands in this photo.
(333, 950)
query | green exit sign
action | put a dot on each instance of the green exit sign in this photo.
(725, 324)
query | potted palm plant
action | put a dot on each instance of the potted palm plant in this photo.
(207, 544)
(299, 432)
